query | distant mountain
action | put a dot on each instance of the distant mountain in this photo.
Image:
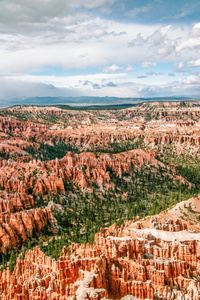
(87, 101)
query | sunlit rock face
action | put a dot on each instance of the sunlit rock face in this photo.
(18, 227)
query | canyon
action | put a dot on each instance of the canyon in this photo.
(154, 123)
(18, 179)
(63, 170)
(151, 258)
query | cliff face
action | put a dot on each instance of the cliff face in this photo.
(10, 203)
(173, 139)
(18, 227)
(154, 258)
(8, 125)
(18, 220)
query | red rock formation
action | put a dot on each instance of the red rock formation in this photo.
(168, 225)
(168, 128)
(147, 263)
(8, 125)
(171, 139)
(152, 258)
(84, 168)
(10, 203)
(19, 226)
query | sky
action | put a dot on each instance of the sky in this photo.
(120, 48)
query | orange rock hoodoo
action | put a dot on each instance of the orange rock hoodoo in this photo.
(84, 168)
(154, 258)
(20, 225)
(148, 263)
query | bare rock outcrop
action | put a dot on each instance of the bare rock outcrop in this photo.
(83, 168)
(145, 263)
(18, 227)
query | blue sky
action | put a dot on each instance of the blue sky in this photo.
(99, 48)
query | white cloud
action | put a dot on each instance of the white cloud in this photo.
(138, 41)
(68, 81)
(193, 63)
(113, 68)
(147, 64)
(191, 43)
(26, 15)
(69, 35)
(129, 69)
(72, 40)
(196, 26)
(179, 67)
(158, 36)
(159, 41)
(115, 84)
(191, 80)
(169, 42)
(92, 43)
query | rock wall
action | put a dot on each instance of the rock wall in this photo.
(18, 227)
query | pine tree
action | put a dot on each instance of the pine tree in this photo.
(11, 261)
(29, 244)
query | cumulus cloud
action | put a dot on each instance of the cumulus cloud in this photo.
(159, 41)
(94, 85)
(192, 41)
(25, 15)
(79, 36)
(147, 64)
(190, 80)
(114, 68)
(64, 35)
(179, 67)
(138, 41)
(196, 26)
(159, 36)
(129, 69)
(169, 41)
(193, 63)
